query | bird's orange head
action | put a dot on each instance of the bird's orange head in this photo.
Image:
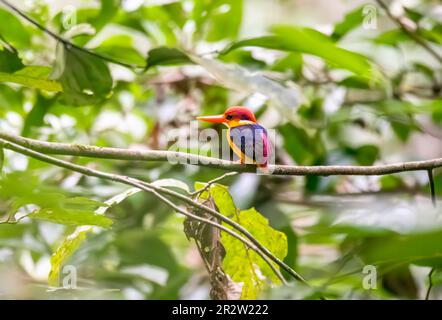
(232, 116)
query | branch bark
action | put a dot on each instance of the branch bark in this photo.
(193, 159)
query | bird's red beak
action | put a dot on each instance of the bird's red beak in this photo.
(215, 119)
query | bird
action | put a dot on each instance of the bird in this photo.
(248, 139)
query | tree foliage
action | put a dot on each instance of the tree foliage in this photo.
(113, 75)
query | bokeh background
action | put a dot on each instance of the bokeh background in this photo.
(335, 226)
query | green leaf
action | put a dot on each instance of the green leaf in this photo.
(32, 77)
(121, 48)
(225, 19)
(2, 159)
(305, 148)
(85, 78)
(73, 241)
(365, 155)
(421, 248)
(244, 58)
(269, 42)
(351, 21)
(109, 8)
(425, 70)
(431, 35)
(23, 188)
(71, 217)
(310, 41)
(355, 82)
(35, 117)
(166, 56)
(413, 14)
(116, 200)
(292, 62)
(237, 256)
(390, 183)
(9, 60)
(243, 265)
(62, 254)
(12, 29)
(175, 183)
(402, 129)
(391, 38)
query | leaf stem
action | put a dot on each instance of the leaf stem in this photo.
(430, 283)
(66, 42)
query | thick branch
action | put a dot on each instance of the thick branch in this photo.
(187, 158)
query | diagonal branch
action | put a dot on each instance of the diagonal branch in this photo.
(194, 159)
(412, 34)
(159, 192)
(67, 42)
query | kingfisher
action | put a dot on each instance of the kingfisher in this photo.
(248, 139)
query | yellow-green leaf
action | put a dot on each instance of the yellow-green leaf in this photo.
(240, 263)
(71, 217)
(174, 183)
(2, 159)
(32, 77)
(72, 242)
(63, 252)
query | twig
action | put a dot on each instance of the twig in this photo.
(232, 223)
(430, 283)
(253, 244)
(432, 187)
(194, 159)
(66, 42)
(209, 183)
(217, 225)
(413, 35)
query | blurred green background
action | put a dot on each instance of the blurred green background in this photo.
(367, 94)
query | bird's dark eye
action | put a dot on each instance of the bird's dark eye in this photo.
(229, 117)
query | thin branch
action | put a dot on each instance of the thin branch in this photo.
(413, 35)
(217, 225)
(66, 42)
(253, 243)
(230, 222)
(211, 182)
(430, 283)
(432, 187)
(175, 157)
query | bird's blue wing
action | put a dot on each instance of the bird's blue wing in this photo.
(252, 141)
